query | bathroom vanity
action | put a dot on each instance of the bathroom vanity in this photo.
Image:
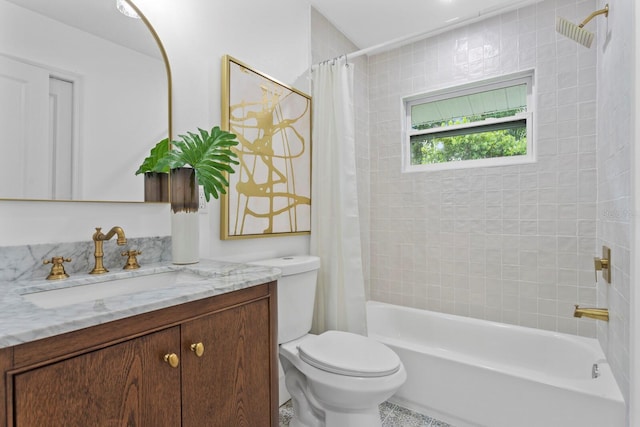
(187, 355)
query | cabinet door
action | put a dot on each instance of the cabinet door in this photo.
(127, 384)
(229, 385)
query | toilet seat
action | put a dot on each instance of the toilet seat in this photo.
(349, 354)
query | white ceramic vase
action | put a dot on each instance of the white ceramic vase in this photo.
(185, 226)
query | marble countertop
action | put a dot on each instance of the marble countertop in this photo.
(22, 321)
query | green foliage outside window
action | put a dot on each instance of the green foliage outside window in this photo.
(444, 147)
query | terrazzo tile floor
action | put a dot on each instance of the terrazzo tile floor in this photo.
(391, 415)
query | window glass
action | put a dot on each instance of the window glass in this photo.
(482, 124)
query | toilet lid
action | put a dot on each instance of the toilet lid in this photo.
(349, 354)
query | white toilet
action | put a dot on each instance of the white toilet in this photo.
(335, 379)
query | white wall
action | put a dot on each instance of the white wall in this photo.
(271, 37)
(634, 392)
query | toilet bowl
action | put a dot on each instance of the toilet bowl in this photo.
(339, 379)
(335, 378)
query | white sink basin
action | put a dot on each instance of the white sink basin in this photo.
(61, 297)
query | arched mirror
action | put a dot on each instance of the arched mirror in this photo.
(84, 95)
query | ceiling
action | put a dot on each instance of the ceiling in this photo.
(369, 23)
(98, 17)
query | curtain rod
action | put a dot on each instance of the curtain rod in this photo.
(401, 41)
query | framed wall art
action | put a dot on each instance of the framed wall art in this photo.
(270, 192)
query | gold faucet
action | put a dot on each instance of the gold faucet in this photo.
(594, 313)
(98, 238)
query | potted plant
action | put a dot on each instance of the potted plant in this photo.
(210, 156)
(156, 180)
(195, 159)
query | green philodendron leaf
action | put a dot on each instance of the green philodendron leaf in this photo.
(151, 163)
(209, 153)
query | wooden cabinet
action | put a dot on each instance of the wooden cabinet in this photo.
(236, 354)
(124, 384)
(117, 374)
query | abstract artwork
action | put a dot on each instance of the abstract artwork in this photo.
(270, 192)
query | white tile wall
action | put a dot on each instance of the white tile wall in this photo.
(513, 244)
(615, 135)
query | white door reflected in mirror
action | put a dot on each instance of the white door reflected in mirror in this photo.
(38, 133)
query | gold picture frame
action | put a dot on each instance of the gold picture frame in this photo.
(270, 192)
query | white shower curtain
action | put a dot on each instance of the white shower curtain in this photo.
(335, 223)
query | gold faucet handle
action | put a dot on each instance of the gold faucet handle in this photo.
(57, 269)
(132, 261)
(600, 264)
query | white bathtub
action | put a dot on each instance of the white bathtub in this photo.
(471, 372)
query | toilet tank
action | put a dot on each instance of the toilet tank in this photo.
(296, 294)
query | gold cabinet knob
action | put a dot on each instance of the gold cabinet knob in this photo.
(172, 359)
(198, 349)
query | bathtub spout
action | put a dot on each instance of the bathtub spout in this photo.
(594, 313)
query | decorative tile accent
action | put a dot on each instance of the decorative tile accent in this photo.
(403, 417)
(391, 415)
(286, 413)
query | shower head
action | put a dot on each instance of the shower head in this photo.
(577, 32)
(574, 32)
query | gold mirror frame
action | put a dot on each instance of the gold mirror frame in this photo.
(167, 67)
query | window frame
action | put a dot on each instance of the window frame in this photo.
(524, 77)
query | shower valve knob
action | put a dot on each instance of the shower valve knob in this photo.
(603, 264)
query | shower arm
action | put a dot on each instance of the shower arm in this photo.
(604, 11)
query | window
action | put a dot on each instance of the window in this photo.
(487, 123)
